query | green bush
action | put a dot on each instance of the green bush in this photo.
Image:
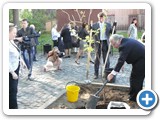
(45, 38)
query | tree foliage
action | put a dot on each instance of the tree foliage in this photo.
(26, 13)
(38, 17)
(11, 15)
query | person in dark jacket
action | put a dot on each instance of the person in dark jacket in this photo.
(66, 34)
(26, 46)
(82, 36)
(132, 52)
(36, 42)
(101, 42)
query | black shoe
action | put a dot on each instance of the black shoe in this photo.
(95, 76)
(67, 56)
(30, 78)
(77, 62)
(82, 56)
(35, 59)
(91, 61)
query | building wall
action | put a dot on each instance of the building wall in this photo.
(122, 16)
(64, 16)
(125, 16)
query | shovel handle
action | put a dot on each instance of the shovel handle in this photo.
(101, 88)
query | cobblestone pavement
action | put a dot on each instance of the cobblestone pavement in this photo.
(48, 86)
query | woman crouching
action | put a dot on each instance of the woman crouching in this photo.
(54, 59)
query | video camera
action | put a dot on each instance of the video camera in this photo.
(28, 42)
(26, 38)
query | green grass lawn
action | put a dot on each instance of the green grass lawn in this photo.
(45, 38)
(126, 35)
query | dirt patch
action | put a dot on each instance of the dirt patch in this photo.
(111, 93)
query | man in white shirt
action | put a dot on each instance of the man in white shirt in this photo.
(101, 42)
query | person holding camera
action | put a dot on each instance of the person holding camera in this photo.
(26, 46)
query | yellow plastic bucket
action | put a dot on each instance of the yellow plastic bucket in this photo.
(72, 93)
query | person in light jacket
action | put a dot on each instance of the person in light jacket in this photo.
(14, 66)
(132, 30)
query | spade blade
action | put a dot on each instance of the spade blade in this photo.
(92, 102)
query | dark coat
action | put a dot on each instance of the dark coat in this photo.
(27, 36)
(107, 32)
(83, 33)
(130, 51)
(66, 34)
(30, 33)
(36, 37)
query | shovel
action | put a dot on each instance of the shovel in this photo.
(92, 102)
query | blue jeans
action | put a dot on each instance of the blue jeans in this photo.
(34, 51)
(28, 59)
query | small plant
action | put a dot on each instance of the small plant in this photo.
(88, 47)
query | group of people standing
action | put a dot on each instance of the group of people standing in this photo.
(131, 51)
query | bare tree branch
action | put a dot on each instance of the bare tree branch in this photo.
(69, 18)
(73, 18)
(78, 14)
(83, 15)
(90, 12)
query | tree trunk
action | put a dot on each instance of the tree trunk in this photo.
(16, 17)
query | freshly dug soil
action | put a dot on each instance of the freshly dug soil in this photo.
(111, 93)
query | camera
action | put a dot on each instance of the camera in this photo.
(25, 39)
(26, 42)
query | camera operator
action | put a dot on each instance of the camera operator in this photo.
(26, 45)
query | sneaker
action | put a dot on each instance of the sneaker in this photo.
(77, 62)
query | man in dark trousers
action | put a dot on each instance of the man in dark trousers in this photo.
(104, 30)
(26, 46)
(133, 52)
